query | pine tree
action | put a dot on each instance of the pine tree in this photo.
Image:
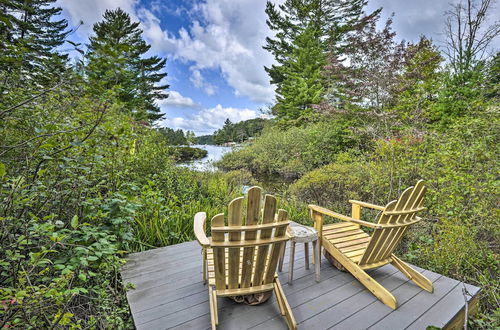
(303, 84)
(326, 23)
(116, 60)
(29, 36)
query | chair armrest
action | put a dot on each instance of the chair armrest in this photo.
(199, 229)
(339, 216)
(367, 205)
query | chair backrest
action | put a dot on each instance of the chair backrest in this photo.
(246, 249)
(394, 221)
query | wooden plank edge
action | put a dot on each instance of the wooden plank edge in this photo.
(457, 322)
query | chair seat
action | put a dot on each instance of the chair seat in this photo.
(348, 238)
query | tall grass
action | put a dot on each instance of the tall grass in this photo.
(165, 217)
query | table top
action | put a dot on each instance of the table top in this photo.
(301, 233)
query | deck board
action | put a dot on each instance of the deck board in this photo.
(169, 294)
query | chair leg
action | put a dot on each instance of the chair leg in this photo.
(316, 262)
(290, 263)
(215, 308)
(412, 274)
(212, 299)
(378, 290)
(287, 310)
(306, 251)
(282, 256)
(279, 300)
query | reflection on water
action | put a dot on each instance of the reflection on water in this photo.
(215, 153)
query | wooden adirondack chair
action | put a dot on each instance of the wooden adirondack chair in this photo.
(241, 256)
(356, 251)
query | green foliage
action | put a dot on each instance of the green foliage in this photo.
(204, 139)
(184, 154)
(167, 208)
(116, 59)
(30, 32)
(295, 151)
(174, 137)
(304, 32)
(493, 78)
(302, 85)
(239, 132)
(334, 184)
(459, 97)
(92, 186)
(417, 85)
(460, 166)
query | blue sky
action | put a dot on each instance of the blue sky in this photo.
(215, 60)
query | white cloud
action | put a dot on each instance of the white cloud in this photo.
(229, 39)
(91, 11)
(207, 121)
(175, 99)
(225, 35)
(199, 82)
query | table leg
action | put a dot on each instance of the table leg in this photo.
(306, 248)
(290, 263)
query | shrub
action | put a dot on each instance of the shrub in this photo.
(184, 154)
(333, 184)
(293, 152)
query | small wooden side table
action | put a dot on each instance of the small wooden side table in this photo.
(301, 234)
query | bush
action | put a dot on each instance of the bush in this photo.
(166, 209)
(293, 152)
(184, 154)
(334, 184)
(80, 186)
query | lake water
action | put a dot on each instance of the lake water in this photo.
(215, 153)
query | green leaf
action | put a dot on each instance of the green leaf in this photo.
(74, 222)
(2, 170)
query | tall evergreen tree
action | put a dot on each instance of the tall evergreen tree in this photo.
(29, 36)
(303, 84)
(116, 60)
(305, 30)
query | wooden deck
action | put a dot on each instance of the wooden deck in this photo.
(169, 293)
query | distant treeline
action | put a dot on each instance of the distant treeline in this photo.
(205, 139)
(177, 137)
(230, 132)
(239, 132)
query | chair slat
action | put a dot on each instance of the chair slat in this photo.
(267, 217)
(253, 211)
(415, 202)
(353, 247)
(397, 216)
(355, 253)
(353, 237)
(259, 242)
(219, 253)
(342, 234)
(349, 243)
(228, 229)
(379, 238)
(276, 248)
(234, 219)
(335, 229)
(410, 208)
(403, 205)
